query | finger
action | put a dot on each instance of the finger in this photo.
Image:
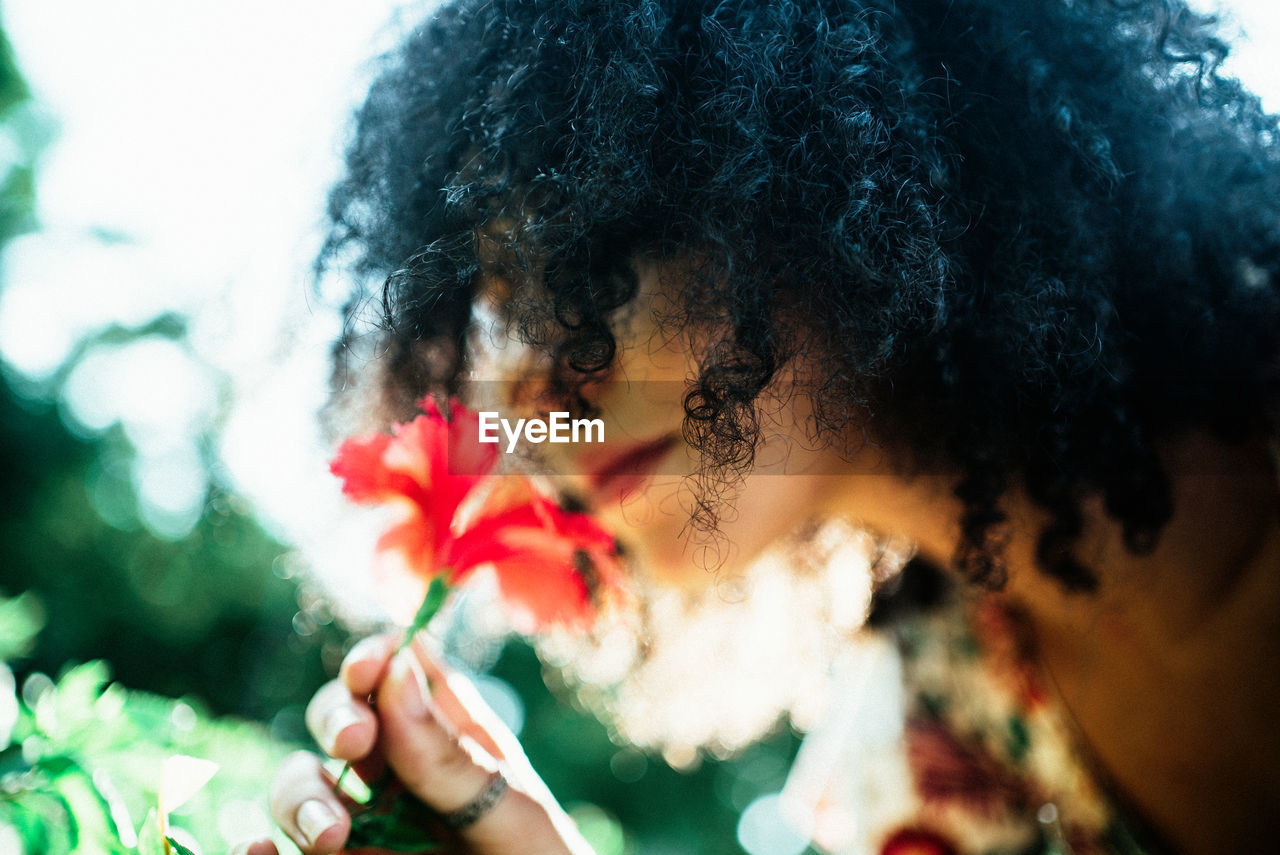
(448, 773)
(461, 703)
(305, 807)
(462, 706)
(366, 664)
(421, 744)
(256, 847)
(343, 726)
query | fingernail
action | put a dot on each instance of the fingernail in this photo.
(335, 721)
(314, 818)
(364, 650)
(407, 670)
(245, 847)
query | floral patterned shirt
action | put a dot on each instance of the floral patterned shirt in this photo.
(945, 740)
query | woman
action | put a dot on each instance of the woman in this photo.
(996, 278)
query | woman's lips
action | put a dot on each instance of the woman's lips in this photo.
(620, 472)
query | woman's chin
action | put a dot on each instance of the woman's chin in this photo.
(709, 659)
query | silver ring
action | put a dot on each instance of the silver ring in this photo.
(471, 812)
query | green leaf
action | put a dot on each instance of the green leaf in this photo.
(69, 708)
(84, 682)
(55, 764)
(150, 841)
(21, 617)
(32, 825)
(67, 820)
(94, 827)
(352, 786)
(179, 848)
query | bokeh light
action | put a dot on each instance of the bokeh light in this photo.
(768, 828)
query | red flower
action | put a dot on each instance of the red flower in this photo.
(456, 518)
(917, 841)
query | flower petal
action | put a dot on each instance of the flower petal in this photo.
(534, 549)
(360, 466)
(539, 594)
(457, 518)
(467, 454)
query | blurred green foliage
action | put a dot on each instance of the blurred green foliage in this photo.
(81, 765)
(202, 615)
(17, 185)
(202, 624)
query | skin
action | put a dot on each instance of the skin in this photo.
(1167, 671)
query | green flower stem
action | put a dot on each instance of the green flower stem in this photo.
(432, 602)
(437, 592)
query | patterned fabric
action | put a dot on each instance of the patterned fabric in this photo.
(946, 741)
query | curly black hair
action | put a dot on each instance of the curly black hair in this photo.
(1029, 240)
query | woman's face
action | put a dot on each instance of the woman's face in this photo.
(642, 480)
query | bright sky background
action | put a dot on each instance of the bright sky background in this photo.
(194, 141)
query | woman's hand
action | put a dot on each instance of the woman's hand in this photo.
(445, 745)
